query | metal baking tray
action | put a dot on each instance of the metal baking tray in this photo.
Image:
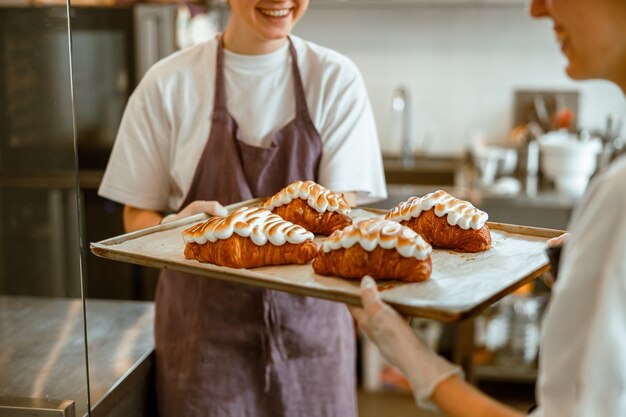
(461, 284)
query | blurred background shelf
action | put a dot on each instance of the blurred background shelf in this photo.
(422, 170)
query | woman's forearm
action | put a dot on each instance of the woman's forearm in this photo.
(136, 218)
(457, 398)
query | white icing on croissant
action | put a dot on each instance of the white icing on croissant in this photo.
(460, 213)
(318, 197)
(370, 233)
(259, 224)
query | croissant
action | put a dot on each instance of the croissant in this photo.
(311, 206)
(380, 248)
(445, 222)
(249, 238)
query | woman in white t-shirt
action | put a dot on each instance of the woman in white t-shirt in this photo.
(582, 368)
(239, 117)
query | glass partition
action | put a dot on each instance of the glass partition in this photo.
(119, 296)
(42, 339)
(113, 46)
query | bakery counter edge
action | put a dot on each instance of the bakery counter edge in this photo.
(421, 170)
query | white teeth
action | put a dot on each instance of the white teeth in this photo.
(275, 13)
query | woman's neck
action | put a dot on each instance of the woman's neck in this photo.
(240, 41)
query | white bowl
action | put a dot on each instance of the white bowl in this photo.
(568, 162)
(493, 161)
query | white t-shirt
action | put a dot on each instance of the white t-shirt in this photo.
(583, 354)
(167, 121)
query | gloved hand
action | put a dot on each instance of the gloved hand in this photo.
(558, 241)
(400, 345)
(199, 206)
(555, 246)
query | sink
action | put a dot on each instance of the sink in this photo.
(424, 170)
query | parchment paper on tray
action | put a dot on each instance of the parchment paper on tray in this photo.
(460, 286)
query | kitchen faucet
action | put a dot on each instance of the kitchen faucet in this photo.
(401, 111)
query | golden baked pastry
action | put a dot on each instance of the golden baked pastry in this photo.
(312, 206)
(445, 222)
(380, 248)
(248, 238)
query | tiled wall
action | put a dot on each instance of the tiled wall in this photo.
(461, 65)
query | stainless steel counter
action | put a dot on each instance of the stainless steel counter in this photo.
(546, 209)
(42, 351)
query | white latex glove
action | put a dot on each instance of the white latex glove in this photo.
(199, 206)
(558, 241)
(555, 242)
(400, 345)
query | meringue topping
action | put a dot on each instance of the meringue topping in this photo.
(371, 233)
(258, 224)
(459, 212)
(318, 197)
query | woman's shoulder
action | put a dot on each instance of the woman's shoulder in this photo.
(614, 177)
(317, 57)
(605, 199)
(186, 62)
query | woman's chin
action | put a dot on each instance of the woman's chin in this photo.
(571, 72)
(573, 69)
(578, 72)
(274, 29)
(274, 35)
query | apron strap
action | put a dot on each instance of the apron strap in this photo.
(302, 111)
(219, 100)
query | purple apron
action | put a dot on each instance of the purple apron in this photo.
(225, 349)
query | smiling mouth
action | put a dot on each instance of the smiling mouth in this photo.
(275, 12)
